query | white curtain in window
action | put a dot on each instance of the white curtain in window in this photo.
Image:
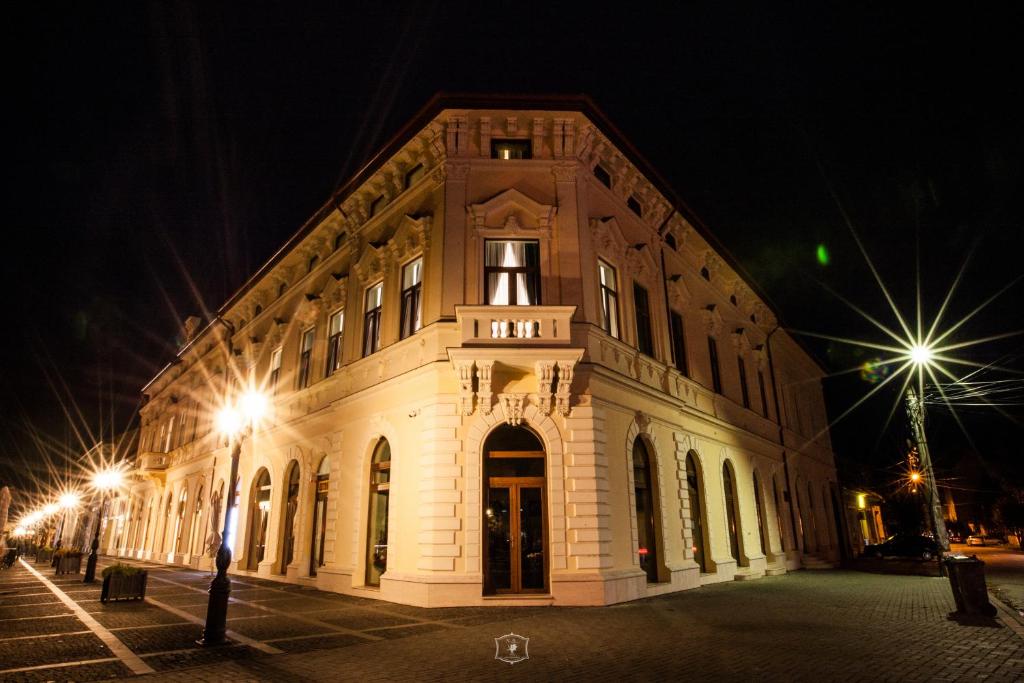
(507, 255)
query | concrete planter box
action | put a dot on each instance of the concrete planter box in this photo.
(70, 564)
(121, 587)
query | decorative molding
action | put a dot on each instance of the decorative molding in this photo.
(512, 211)
(464, 370)
(545, 370)
(563, 393)
(411, 237)
(565, 172)
(713, 322)
(679, 296)
(512, 405)
(371, 265)
(483, 384)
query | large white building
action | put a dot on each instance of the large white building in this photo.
(507, 366)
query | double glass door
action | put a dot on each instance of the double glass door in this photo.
(515, 532)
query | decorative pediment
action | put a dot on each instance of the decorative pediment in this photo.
(679, 296)
(335, 292)
(609, 242)
(308, 311)
(763, 315)
(514, 212)
(741, 340)
(412, 237)
(713, 320)
(371, 264)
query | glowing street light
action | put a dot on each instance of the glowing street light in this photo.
(104, 481)
(50, 508)
(236, 422)
(67, 501)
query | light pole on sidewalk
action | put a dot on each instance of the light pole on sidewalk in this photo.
(103, 481)
(915, 412)
(236, 422)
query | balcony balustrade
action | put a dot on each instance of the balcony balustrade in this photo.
(515, 325)
(153, 462)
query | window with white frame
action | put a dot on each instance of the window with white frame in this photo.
(371, 318)
(412, 298)
(335, 326)
(512, 272)
(275, 368)
(609, 299)
(305, 357)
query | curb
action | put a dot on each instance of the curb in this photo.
(1008, 615)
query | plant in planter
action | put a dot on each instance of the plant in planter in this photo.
(123, 582)
(44, 554)
(68, 561)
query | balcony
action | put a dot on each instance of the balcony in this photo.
(153, 462)
(515, 325)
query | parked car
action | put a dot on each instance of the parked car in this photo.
(905, 546)
(982, 539)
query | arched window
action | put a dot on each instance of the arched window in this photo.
(195, 542)
(730, 512)
(316, 548)
(168, 511)
(696, 513)
(259, 519)
(291, 506)
(377, 532)
(646, 511)
(759, 509)
(179, 521)
(778, 512)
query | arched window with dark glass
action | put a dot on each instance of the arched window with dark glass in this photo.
(646, 511)
(377, 531)
(316, 548)
(696, 512)
(259, 520)
(291, 506)
(759, 510)
(730, 512)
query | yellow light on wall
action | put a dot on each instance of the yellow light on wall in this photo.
(862, 501)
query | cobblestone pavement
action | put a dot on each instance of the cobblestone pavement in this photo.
(808, 625)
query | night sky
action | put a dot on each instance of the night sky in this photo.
(159, 153)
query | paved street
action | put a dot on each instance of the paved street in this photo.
(830, 625)
(1004, 571)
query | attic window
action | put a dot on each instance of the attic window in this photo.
(338, 239)
(257, 310)
(511, 149)
(705, 274)
(413, 175)
(376, 205)
(602, 176)
(752, 318)
(281, 288)
(312, 263)
(634, 206)
(670, 240)
(732, 299)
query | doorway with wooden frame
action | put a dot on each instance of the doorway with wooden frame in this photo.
(515, 513)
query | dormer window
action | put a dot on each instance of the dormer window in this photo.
(602, 176)
(256, 311)
(376, 205)
(338, 239)
(312, 263)
(732, 299)
(282, 288)
(634, 206)
(511, 149)
(413, 175)
(704, 273)
(670, 240)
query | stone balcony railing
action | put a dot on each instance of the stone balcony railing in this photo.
(153, 462)
(515, 325)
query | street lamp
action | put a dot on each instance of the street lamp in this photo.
(915, 412)
(235, 422)
(67, 501)
(103, 481)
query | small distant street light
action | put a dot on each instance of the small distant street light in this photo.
(235, 422)
(103, 481)
(67, 501)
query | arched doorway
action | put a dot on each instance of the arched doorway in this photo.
(731, 515)
(377, 532)
(644, 488)
(291, 506)
(515, 512)
(259, 520)
(316, 548)
(762, 533)
(696, 511)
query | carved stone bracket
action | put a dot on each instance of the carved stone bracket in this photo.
(512, 405)
(464, 369)
(483, 380)
(562, 395)
(545, 370)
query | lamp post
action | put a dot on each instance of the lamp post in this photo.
(67, 501)
(103, 481)
(236, 422)
(915, 412)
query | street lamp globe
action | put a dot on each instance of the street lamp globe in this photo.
(50, 508)
(253, 405)
(108, 479)
(920, 354)
(229, 421)
(69, 500)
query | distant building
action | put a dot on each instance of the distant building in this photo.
(864, 524)
(507, 365)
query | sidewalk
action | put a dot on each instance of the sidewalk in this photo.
(812, 626)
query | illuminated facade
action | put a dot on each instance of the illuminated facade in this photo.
(506, 368)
